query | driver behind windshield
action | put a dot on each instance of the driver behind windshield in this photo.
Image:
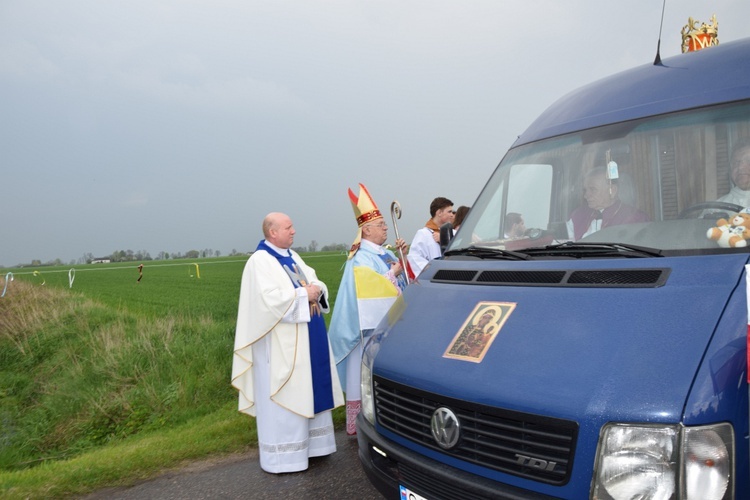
(603, 207)
(740, 164)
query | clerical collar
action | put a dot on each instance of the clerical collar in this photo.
(614, 207)
(280, 251)
(375, 248)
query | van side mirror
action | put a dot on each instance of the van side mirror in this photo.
(446, 235)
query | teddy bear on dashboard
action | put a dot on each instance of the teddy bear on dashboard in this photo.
(731, 233)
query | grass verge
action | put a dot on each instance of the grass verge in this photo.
(108, 381)
(222, 432)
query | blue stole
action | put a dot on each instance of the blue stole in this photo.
(320, 361)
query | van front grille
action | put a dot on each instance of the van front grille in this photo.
(523, 444)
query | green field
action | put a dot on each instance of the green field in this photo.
(111, 380)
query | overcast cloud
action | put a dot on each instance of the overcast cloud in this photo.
(177, 125)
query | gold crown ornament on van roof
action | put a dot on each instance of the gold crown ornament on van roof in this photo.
(697, 35)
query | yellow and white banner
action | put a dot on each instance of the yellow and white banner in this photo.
(375, 295)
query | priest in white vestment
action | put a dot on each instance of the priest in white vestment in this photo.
(373, 279)
(283, 366)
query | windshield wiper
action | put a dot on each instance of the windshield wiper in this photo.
(581, 249)
(487, 253)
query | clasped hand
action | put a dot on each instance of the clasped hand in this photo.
(313, 293)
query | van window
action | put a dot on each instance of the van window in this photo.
(661, 182)
(529, 193)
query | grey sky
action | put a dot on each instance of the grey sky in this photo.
(177, 125)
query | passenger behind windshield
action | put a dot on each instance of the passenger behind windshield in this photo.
(603, 208)
(740, 164)
(515, 227)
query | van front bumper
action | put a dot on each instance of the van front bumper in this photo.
(389, 465)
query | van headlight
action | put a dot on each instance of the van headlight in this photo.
(368, 399)
(663, 462)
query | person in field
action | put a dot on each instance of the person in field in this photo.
(373, 278)
(282, 364)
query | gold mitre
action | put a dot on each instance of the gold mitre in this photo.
(365, 210)
(697, 35)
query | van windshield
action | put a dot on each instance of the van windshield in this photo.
(673, 183)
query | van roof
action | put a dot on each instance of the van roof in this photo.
(713, 75)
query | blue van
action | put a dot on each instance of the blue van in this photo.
(601, 353)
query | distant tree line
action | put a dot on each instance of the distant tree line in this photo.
(143, 255)
(313, 247)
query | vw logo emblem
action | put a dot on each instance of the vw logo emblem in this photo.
(445, 428)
